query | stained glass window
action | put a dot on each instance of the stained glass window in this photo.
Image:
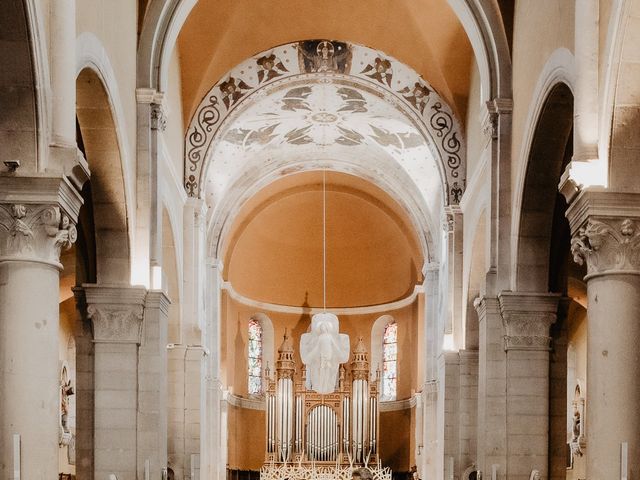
(255, 357)
(390, 361)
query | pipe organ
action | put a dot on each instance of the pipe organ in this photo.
(311, 429)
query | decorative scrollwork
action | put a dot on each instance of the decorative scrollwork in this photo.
(413, 94)
(442, 122)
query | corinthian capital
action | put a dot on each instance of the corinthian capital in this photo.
(35, 231)
(605, 229)
(607, 246)
(527, 318)
(116, 313)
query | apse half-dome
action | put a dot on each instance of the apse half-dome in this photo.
(274, 249)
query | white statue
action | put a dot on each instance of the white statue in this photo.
(322, 351)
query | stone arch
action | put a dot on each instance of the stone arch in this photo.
(550, 152)
(254, 180)
(624, 94)
(19, 131)
(426, 109)
(481, 21)
(100, 142)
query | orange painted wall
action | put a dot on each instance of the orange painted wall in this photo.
(247, 442)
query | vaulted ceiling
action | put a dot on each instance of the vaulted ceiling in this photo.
(423, 34)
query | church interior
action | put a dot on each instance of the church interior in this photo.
(302, 240)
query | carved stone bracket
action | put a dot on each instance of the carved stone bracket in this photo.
(606, 232)
(527, 318)
(116, 313)
(158, 117)
(491, 117)
(37, 218)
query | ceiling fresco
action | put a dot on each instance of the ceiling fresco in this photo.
(323, 99)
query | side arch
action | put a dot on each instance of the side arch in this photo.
(19, 125)
(551, 150)
(100, 141)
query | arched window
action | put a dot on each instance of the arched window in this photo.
(390, 361)
(255, 357)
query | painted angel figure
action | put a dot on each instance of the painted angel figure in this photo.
(322, 351)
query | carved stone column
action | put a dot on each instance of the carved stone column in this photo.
(527, 318)
(37, 217)
(116, 314)
(606, 235)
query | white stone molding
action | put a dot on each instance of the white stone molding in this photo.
(398, 405)
(297, 310)
(116, 312)
(37, 218)
(527, 318)
(248, 403)
(606, 232)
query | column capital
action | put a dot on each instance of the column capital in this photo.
(490, 113)
(116, 312)
(486, 306)
(527, 318)
(157, 299)
(605, 228)
(37, 218)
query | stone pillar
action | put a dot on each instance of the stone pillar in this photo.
(606, 235)
(527, 319)
(213, 437)
(492, 402)
(468, 409)
(454, 241)
(497, 128)
(448, 415)
(152, 386)
(37, 218)
(116, 314)
(151, 121)
(63, 72)
(84, 389)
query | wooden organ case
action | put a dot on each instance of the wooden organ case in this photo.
(310, 432)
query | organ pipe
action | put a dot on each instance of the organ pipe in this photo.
(305, 426)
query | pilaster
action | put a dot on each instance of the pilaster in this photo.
(152, 386)
(492, 403)
(497, 125)
(527, 318)
(116, 314)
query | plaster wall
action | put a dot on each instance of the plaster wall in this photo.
(247, 441)
(540, 27)
(174, 134)
(235, 341)
(475, 139)
(114, 24)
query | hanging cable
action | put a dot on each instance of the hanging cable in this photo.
(324, 239)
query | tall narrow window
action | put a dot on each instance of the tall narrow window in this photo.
(255, 357)
(390, 361)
